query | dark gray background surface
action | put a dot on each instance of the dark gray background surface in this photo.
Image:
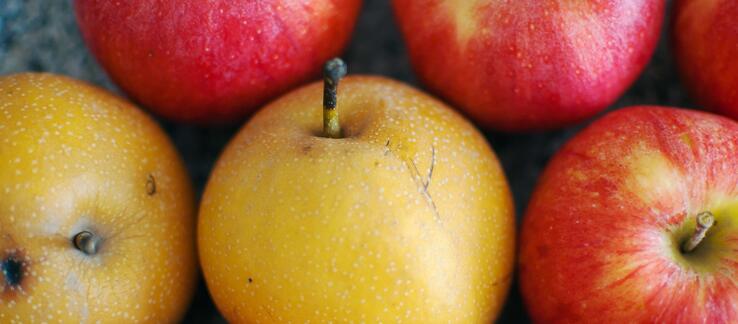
(42, 35)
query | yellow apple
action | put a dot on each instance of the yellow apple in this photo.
(406, 216)
(96, 214)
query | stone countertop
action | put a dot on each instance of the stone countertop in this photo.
(42, 35)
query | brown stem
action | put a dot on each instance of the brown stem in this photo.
(333, 71)
(705, 220)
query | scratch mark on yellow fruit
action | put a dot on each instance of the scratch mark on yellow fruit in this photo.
(423, 186)
(430, 170)
(418, 178)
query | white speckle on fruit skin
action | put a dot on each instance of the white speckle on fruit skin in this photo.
(388, 224)
(74, 158)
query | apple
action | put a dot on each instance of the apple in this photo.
(635, 220)
(529, 65)
(213, 61)
(97, 216)
(400, 212)
(704, 40)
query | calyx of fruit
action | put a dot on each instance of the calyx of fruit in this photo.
(87, 242)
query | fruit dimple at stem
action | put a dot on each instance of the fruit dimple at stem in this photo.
(12, 270)
(87, 242)
(705, 220)
(333, 71)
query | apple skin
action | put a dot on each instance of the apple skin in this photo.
(704, 35)
(529, 65)
(296, 227)
(213, 61)
(602, 234)
(76, 158)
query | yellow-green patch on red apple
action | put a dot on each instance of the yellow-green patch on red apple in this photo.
(605, 234)
(529, 64)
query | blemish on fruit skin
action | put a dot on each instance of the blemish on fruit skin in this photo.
(686, 139)
(150, 185)
(14, 274)
(12, 270)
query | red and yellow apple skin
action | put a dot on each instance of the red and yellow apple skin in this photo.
(704, 37)
(602, 234)
(213, 61)
(529, 64)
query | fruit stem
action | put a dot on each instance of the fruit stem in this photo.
(705, 220)
(333, 71)
(87, 242)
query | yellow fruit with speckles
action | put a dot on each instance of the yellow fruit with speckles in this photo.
(405, 218)
(96, 215)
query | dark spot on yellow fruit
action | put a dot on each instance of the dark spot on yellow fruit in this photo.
(150, 185)
(251, 280)
(307, 148)
(12, 270)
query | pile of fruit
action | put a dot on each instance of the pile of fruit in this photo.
(360, 198)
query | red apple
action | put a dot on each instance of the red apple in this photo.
(606, 234)
(704, 40)
(529, 64)
(212, 61)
